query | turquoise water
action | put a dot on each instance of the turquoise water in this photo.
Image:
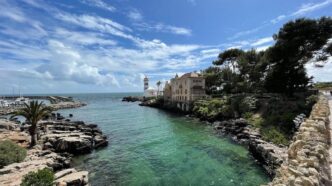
(152, 147)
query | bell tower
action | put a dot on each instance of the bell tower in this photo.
(146, 83)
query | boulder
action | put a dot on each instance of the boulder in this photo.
(64, 172)
(100, 141)
(74, 145)
(47, 145)
(74, 179)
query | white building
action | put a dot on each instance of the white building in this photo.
(149, 91)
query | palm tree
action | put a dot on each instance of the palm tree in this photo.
(33, 113)
(158, 85)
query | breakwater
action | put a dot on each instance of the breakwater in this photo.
(52, 99)
(308, 155)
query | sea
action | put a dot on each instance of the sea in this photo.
(149, 146)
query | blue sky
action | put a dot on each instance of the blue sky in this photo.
(109, 45)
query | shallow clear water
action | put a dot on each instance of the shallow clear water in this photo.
(152, 147)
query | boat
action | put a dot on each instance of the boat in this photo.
(3, 103)
(22, 100)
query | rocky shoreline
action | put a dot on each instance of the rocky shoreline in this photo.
(269, 155)
(60, 140)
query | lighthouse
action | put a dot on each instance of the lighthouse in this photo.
(146, 83)
(148, 91)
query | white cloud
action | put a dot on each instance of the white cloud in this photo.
(278, 19)
(97, 23)
(262, 41)
(65, 63)
(15, 14)
(11, 12)
(135, 15)
(306, 8)
(246, 32)
(93, 56)
(142, 25)
(100, 4)
(160, 27)
(262, 48)
(83, 38)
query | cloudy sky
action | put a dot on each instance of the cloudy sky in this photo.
(62, 46)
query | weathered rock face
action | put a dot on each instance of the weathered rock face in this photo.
(10, 131)
(8, 125)
(36, 159)
(71, 177)
(308, 157)
(269, 155)
(72, 137)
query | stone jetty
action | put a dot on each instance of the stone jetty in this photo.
(67, 105)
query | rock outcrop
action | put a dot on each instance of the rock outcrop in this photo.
(72, 137)
(59, 140)
(269, 155)
(8, 125)
(132, 99)
(71, 177)
(308, 156)
(36, 159)
(10, 130)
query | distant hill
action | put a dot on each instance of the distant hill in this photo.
(323, 85)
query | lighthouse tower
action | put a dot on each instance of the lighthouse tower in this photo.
(146, 83)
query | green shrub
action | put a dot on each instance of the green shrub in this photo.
(248, 104)
(254, 119)
(274, 135)
(10, 153)
(247, 115)
(213, 109)
(43, 177)
(311, 100)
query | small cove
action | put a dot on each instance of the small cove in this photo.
(152, 147)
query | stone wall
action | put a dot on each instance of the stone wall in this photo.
(308, 154)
